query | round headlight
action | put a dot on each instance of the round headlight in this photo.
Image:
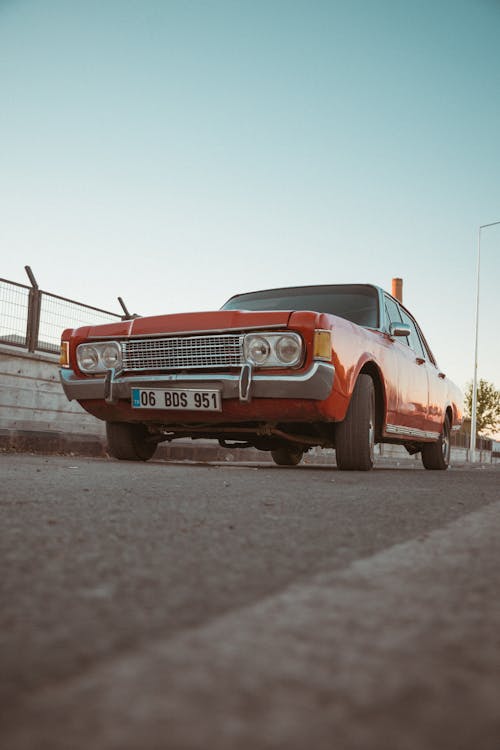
(258, 350)
(288, 350)
(110, 356)
(88, 358)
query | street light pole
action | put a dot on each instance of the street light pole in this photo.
(473, 426)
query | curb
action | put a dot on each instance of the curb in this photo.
(93, 446)
(51, 442)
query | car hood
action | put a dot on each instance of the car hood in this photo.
(185, 323)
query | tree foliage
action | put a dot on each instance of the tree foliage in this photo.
(488, 406)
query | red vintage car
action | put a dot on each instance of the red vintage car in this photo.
(282, 370)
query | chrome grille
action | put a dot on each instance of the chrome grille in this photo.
(183, 352)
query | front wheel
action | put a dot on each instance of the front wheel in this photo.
(129, 441)
(437, 455)
(355, 436)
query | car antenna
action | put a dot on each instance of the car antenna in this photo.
(127, 315)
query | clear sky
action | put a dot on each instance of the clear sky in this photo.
(177, 152)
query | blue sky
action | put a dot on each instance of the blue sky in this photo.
(175, 153)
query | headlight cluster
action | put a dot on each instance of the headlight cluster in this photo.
(99, 357)
(273, 349)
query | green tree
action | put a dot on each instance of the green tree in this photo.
(488, 406)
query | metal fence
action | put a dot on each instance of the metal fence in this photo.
(34, 320)
(462, 440)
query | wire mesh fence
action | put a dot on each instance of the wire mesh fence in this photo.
(58, 313)
(34, 320)
(14, 300)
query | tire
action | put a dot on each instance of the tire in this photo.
(355, 436)
(437, 455)
(129, 441)
(287, 456)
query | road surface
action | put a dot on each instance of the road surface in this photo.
(253, 607)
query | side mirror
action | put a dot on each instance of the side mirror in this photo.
(399, 329)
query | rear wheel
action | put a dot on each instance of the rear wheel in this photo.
(355, 436)
(287, 456)
(129, 441)
(437, 455)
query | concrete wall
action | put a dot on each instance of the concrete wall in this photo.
(32, 400)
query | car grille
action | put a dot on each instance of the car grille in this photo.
(183, 352)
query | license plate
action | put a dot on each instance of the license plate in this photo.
(185, 399)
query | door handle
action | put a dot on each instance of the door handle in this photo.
(441, 375)
(420, 361)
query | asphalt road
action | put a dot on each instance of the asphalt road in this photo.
(252, 607)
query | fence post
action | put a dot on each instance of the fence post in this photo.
(34, 305)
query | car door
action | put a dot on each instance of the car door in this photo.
(424, 419)
(392, 362)
(413, 386)
(438, 388)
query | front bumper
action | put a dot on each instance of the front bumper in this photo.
(316, 384)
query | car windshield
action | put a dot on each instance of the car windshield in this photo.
(357, 303)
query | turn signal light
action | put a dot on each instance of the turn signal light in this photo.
(64, 358)
(322, 345)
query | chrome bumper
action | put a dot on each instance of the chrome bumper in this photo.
(316, 384)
